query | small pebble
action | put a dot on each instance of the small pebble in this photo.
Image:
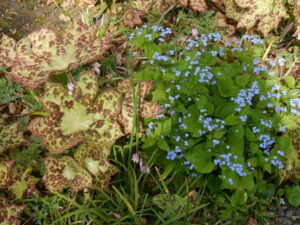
(280, 212)
(298, 212)
(289, 213)
(286, 221)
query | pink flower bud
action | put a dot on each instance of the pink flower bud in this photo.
(135, 158)
(70, 86)
(195, 32)
(144, 169)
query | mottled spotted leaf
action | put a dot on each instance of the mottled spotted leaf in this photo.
(10, 136)
(196, 5)
(10, 212)
(77, 118)
(48, 53)
(145, 109)
(65, 172)
(7, 51)
(296, 13)
(268, 13)
(5, 172)
(94, 159)
(22, 184)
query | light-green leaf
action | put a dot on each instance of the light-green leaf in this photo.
(294, 196)
(162, 144)
(200, 159)
(149, 142)
(290, 81)
(167, 126)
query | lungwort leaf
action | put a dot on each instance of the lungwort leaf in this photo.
(5, 172)
(65, 172)
(7, 51)
(10, 136)
(296, 13)
(43, 53)
(146, 5)
(77, 118)
(145, 109)
(94, 159)
(247, 13)
(22, 184)
(9, 212)
(196, 5)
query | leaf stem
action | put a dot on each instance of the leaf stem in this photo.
(71, 78)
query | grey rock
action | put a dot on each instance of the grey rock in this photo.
(280, 212)
(286, 221)
(289, 213)
(298, 212)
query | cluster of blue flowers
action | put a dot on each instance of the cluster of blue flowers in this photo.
(267, 142)
(209, 124)
(255, 39)
(266, 123)
(227, 161)
(151, 127)
(205, 75)
(246, 96)
(295, 102)
(159, 57)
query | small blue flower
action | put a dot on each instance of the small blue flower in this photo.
(280, 152)
(177, 149)
(255, 61)
(186, 162)
(161, 39)
(243, 118)
(282, 129)
(281, 61)
(276, 87)
(154, 28)
(171, 155)
(255, 130)
(213, 53)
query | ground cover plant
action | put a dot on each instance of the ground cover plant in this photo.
(192, 127)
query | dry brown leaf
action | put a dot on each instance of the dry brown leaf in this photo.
(64, 18)
(50, 1)
(116, 215)
(132, 18)
(221, 19)
(67, 4)
(11, 107)
(251, 221)
(88, 2)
